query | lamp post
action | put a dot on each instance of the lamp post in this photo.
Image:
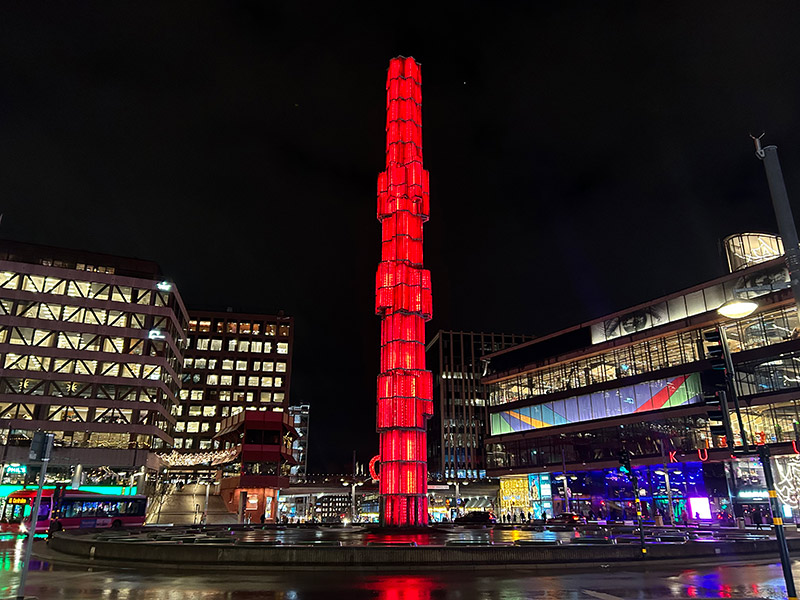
(353, 485)
(763, 454)
(567, 490)
(458, 485)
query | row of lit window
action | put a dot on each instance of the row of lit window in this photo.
(244, 380)
(194, 427)
(50, 311)
(27, 362)
(228, 396)
(230, 365)
(239, 327)
(235, 345)
(27, 336)
(47, 262)
(81, 289)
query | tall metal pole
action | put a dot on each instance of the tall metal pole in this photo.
(23, 576)
(783, 214)
(777, 520)
(730, 384)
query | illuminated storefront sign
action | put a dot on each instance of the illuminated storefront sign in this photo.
(753, 494)
(641, 397)
(16, 470)
(403, 302)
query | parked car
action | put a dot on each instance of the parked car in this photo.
(567, 519)
(476, 518)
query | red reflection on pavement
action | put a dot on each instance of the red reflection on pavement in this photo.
(401, 587)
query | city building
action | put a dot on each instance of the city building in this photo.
(233, 361)
(91, 350)
(460, 399)
(300, 421)
(260, 443)
(563, 406)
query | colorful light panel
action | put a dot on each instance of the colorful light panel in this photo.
(403, 301)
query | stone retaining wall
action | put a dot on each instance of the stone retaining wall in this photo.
(87, 548)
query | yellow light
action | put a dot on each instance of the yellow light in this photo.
(737, 308)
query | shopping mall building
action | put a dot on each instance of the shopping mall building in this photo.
(563, 406)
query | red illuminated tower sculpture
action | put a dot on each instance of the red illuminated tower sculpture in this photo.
(403, 301)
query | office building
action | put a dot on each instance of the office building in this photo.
(456, 430)
(564, 405)
(91, 350)
(233, 361)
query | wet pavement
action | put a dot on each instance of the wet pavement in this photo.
(751, 579)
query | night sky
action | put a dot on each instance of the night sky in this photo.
(584, 157)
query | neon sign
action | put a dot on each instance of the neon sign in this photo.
(403, 302)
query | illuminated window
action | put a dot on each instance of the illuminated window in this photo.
(205, 444)
(232, 345)
(266, 382)
(270, 329)
(204, 326)
(204, 427)
(180, 426)
(267, 347)
(227, 365)
(200, 363)
(220, 325)
(256, 365)
(256, 328)
(280, 367)
(242, 380)
(192, 427)
(279, 382)
(232, 327)
(226, 380)
(266, 396)
(202, 344)
(278, 396)
(195, 411)
(241, 365)
(192, 325)
(244, 346)
(216, 345)
(244, 327)
(197, 395)
(225, 396)
(187, 363)
(283, 330)
(212, 379)
(209, 411)
(250, 396)
(283, 348)
(212, 363)
(179, 442)
(255, 346)
(252, 381)
(268, 366)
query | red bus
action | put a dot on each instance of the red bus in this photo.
(75, 510)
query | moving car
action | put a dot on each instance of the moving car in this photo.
(476, 518)
(567, 519)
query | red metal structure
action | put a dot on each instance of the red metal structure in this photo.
(403, 301)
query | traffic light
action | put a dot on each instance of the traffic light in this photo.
(719, 423)
(714, 350)
(625, 462)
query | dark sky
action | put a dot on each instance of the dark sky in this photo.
(584, 157)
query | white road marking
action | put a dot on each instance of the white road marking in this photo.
(600, 595)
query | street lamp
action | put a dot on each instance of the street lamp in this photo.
(458, 485)
(353, 485)
(567, 491)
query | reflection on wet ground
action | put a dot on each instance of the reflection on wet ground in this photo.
(63, 582)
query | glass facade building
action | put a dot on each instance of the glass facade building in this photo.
(456, 430)
(641, 380)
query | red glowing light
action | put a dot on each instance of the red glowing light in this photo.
(403, 301)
